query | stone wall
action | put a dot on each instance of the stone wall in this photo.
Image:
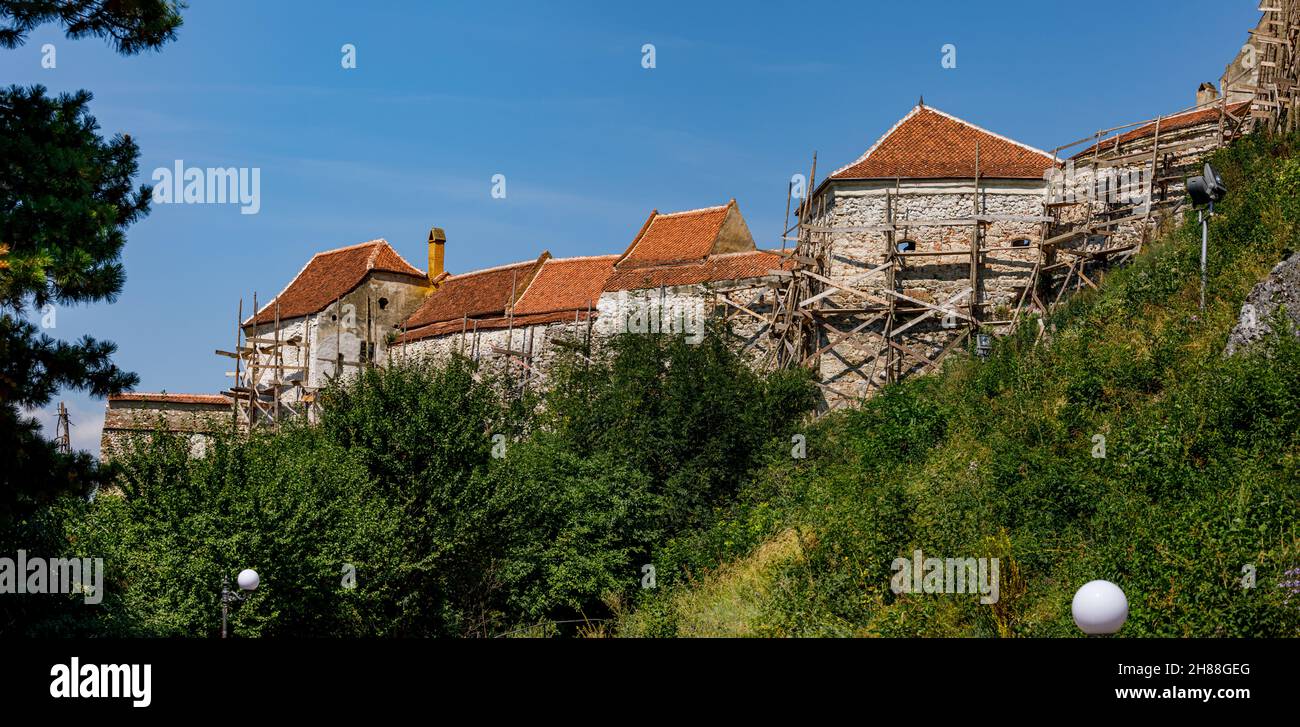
(854, 367)
(1101, 181)
(125, 419)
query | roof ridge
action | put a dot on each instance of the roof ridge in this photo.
(915, 109)
(701, 210)
(582, 257)
(378, 244)
(252, 320)
(163, 395)
(493, 269)
(977, 127)
(1199, 108)
(352, 246)
(739, 252)
(924, 107)
(406, 262)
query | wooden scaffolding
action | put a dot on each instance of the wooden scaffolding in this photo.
(270, 384)
(806, 317)
(1277, 87)
(1078, 240)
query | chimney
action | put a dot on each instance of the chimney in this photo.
(437, 247)
(1205, 93)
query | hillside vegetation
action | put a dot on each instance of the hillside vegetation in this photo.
(430, 500)
(1199, 484)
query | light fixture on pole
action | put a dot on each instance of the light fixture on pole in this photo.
(1206, 190)
(248, 580)
(1099, 608)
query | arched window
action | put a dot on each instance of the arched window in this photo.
(906, 245)
(1021, 242)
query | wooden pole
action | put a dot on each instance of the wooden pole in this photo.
(975, 243)
(279, 364)
(239, 330)
(253, 402)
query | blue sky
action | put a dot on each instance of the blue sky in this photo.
(554, 97)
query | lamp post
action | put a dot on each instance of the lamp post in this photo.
(1206, 190)
(248, 580)
(1099, 608)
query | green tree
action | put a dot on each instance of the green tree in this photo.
(66, 199)
(131, 26)
(65, 203)
(292, 505)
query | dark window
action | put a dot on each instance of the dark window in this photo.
(907, 245)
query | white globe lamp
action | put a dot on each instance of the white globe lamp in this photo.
(248, 579)
(1099, 607)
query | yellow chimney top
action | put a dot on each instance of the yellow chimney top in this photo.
(437, 248)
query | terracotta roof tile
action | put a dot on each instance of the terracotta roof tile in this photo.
(929, 144)
(717, 268)
(330, 275)
(566, 284)
(677, 236)
(1168, 124)
(166, 398)
(477, 294)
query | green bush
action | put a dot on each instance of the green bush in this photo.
(995, 458)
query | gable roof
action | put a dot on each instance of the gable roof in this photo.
(479, 293)
(164, 397)
(929, 144)
(330, 275)
(1169, 124)
(676, 236)
(566, 284)
(715, 268)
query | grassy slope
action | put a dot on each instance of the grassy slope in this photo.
(994, 458)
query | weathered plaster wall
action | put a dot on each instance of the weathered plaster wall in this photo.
(363, 318)
(617, 313)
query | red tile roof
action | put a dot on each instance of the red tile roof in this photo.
(1169, 124)
(716, 268)
(166, 398)
(330, 275)
(929, 144)
(671, 249)
(477, 294)
(677, 236)
(566, 285)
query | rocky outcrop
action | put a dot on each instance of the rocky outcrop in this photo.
(1281, 289)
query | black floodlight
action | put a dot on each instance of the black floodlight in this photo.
(1207, 188)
